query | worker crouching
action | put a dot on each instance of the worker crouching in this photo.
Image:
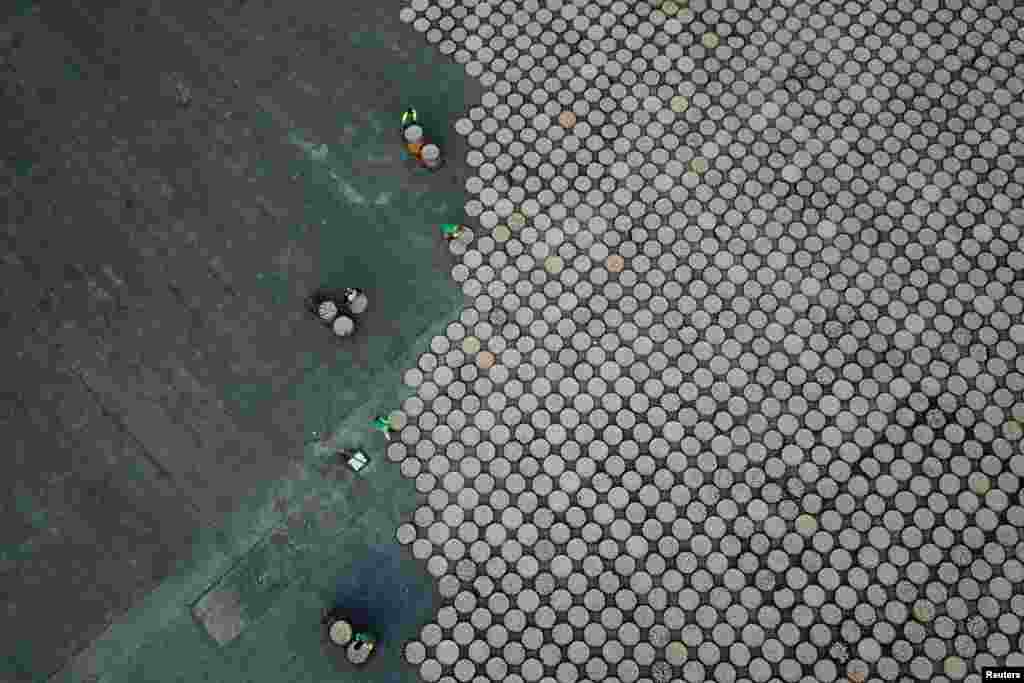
(338, 310)
(417, 145)
(359, 643)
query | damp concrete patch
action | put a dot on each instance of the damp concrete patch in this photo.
(386, 590)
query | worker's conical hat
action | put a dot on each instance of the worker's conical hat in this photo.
(341, 632)
(413, 134)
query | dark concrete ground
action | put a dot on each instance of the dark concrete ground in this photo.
(176, 178)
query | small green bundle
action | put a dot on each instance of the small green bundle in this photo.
(451, 231)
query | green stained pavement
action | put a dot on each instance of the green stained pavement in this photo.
(34, 514)
(24, 8)
(160, 640)
(371, 231)
(73, 71)
(23, 167)
(371, 228)
(289, 549)
(284, 582)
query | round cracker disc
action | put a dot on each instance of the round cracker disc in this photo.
(344, 326)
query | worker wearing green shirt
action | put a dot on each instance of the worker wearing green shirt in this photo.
(383, 424)
(451, 231)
